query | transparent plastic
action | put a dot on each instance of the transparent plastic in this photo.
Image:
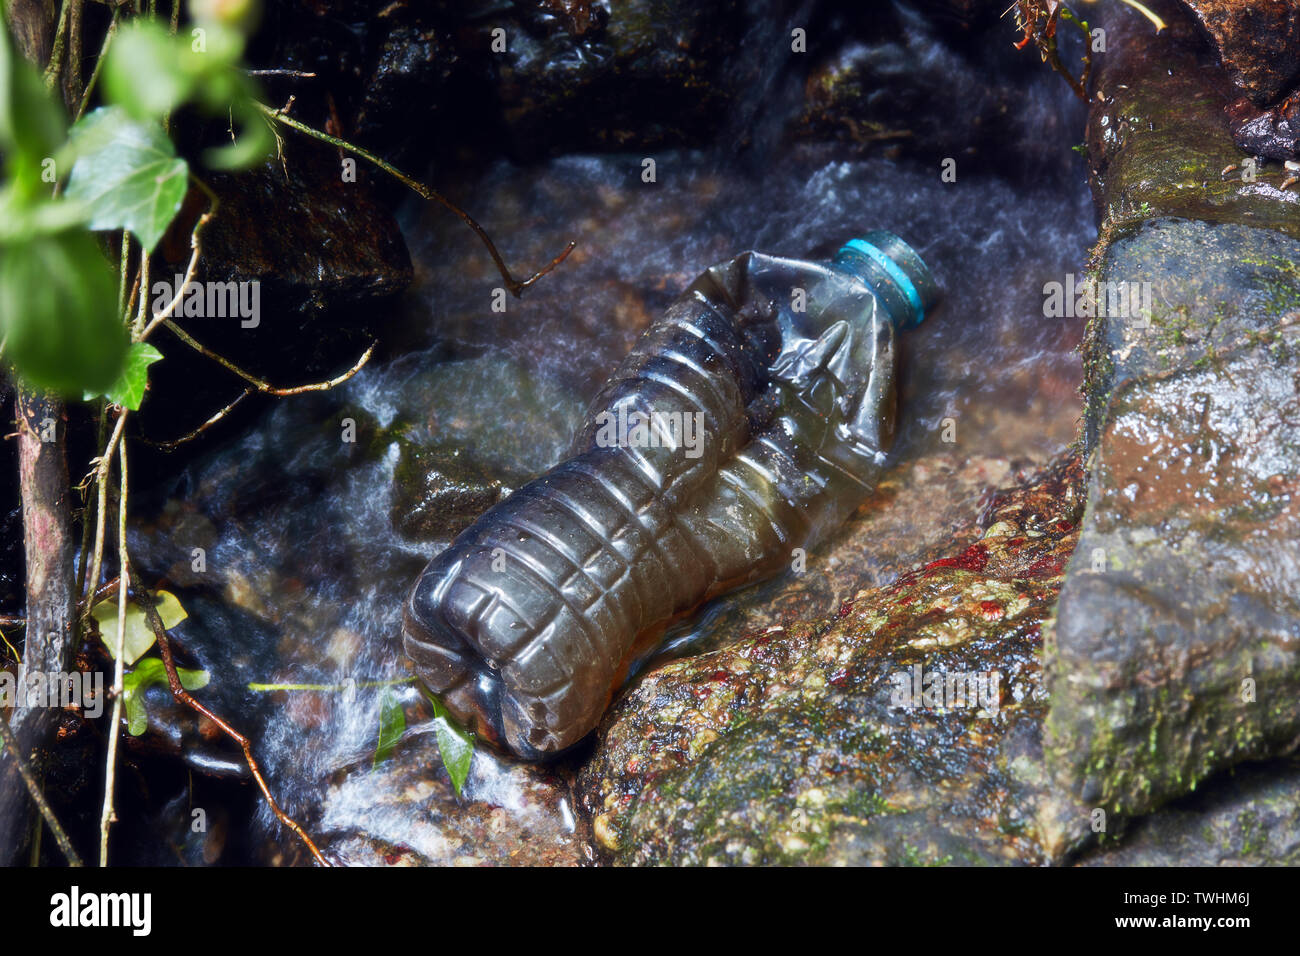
(748, 421)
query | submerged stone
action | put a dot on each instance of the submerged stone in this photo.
(797, 745)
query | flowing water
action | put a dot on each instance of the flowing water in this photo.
(309, 550)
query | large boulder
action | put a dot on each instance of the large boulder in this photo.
(1257, 40)
(1175, 650)
(825, 742)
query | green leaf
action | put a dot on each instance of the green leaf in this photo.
(139, 636)
(32, 125)
(127, 174)
(392, 724)
(147, 71)
(455, 746)
(128, 390)
(151, 671)
(58, 313)
(22, 219)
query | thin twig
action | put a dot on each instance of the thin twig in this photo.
(175, 443)
(55, 66)
(196, 249)
(516, 286)
(60, 836)
(12, 622)
(99, 63)
(101, 476)
(110, 771)
(145, 260)
(146, 601)
(264, 387)
(74, 52)
(83, 563)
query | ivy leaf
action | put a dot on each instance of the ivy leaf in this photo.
(127, 174)
(392, 724)
(58, 312)
(31, 124)
(148, 71)
(151, 671)
(139, 635)
(455, 746)
(128, 390)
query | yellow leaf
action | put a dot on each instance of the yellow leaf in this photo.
(139, 636)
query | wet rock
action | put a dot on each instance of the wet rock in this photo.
(1272, 133)
(788, 746)
(1158, 140)
(1246, 817)
(1175, 650)
(656, 74)
(413, 68)
(405, 812)
(1258, 42)
(437, 493)
(1212, 287)
(331, 244)
(319, 262)
(1000, 107)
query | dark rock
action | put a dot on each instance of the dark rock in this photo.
(327, 260)
(313, 241)
(785, 747)
(437, 493)
(1248, 816)
(1272, 133)
(656, 74)
(1175, 650)
(1000, 108)
(1258, 41)
(407, 88)
(1158, 138)
(1214, 287)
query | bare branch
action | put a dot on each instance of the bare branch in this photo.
(146, 601)
(516, 286)
(259, 385)
(38, 798)
(107, 816)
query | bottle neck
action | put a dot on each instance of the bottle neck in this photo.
(891, 269)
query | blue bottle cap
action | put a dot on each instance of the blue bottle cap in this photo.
(892, 269)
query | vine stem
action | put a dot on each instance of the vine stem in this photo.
(146, 601)
(101, 477)
(99, 62)
(516, 286)
(110, 771)
(33, 788)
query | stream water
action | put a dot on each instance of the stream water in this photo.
(309, 550)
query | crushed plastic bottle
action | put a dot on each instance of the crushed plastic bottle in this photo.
(747, 422)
